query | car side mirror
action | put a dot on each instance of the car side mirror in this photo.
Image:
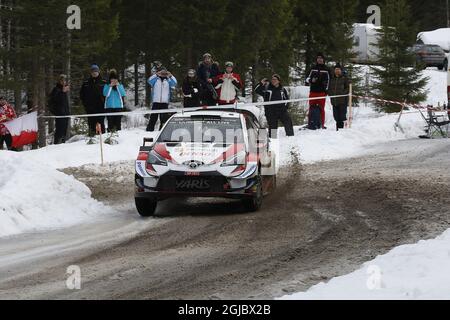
(148, 140)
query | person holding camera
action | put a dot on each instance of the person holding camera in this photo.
(59, 106)
(275, 91)
(114, 93)
(318, 80)
(192, 90)
(228, 85)
(162, 83)
(7, 114)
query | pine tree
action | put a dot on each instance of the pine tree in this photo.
(397, 79)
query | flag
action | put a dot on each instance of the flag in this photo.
(24, 130)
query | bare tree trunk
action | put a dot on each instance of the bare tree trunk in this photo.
(148, 92)
(136, 82)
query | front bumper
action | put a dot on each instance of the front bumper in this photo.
(177, 184)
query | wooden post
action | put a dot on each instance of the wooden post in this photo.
(99, 132)
(350, 106)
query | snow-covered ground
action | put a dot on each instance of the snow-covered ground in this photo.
(417, 271)
(36, 197)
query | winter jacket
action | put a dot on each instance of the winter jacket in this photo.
(319, 78)
(271, 93)
(227, 89)
(114, 96)
(7, 113)
(59, 101)
(192, 91)
(161, 92)
(91, 95)
(205, 72)
(339, 86)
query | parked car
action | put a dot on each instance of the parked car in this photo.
(431, 56)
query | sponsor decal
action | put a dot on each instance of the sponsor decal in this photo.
(140, 168)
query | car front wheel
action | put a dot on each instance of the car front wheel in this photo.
(146, 207)
(255, 203)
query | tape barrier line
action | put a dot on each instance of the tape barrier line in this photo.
(404, 104)
(181, 110)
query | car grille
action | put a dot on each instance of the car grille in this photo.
(200, 184)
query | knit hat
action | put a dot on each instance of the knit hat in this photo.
(229, 64)
(95, 68)
(207, 55)
(113, 74)
(338, 66)
(277, 76)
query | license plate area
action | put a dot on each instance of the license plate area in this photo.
(192, 184)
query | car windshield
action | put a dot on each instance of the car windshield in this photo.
(203, 129)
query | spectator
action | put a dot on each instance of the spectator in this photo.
(274, 91)
(228, 85)
(207, 71)
(91, 95)
(59, 106)
(319, 80)
(7, 113)
(339, 86)
(162, 83)
(114, 94)
(192, 90)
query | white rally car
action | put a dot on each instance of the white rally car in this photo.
(208, 153)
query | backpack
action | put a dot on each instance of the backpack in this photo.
(315, 118)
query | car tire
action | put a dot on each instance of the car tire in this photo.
(440, 67)
(146, 207)
(255, 203)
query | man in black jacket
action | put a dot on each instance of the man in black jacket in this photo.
(59, 106)
(339, 86)
(318, 80)
(192, 90)
(274, 91)
(91, 96)
(207, 72)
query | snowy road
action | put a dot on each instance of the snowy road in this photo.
(325, 220)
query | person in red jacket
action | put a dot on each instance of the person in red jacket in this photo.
(228, 85)
(7, 113)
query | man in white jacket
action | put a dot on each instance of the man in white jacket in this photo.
(162, 83)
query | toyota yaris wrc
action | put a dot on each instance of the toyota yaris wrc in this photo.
(207, 153)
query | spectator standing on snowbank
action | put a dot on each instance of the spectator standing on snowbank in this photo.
(274, 91)
(228, 85)
(114, 93)
(339, 86)
(207, 71)
(319, 81)
(91, 95)
(59, 106)
(162, 83)
(7, 113)
(192, 90)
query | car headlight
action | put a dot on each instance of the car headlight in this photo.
(154, 158)
(240, 159)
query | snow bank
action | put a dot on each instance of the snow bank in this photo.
(369, 128)
(407, 272)
(34, 196)
(78, 153)
(440, 37)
